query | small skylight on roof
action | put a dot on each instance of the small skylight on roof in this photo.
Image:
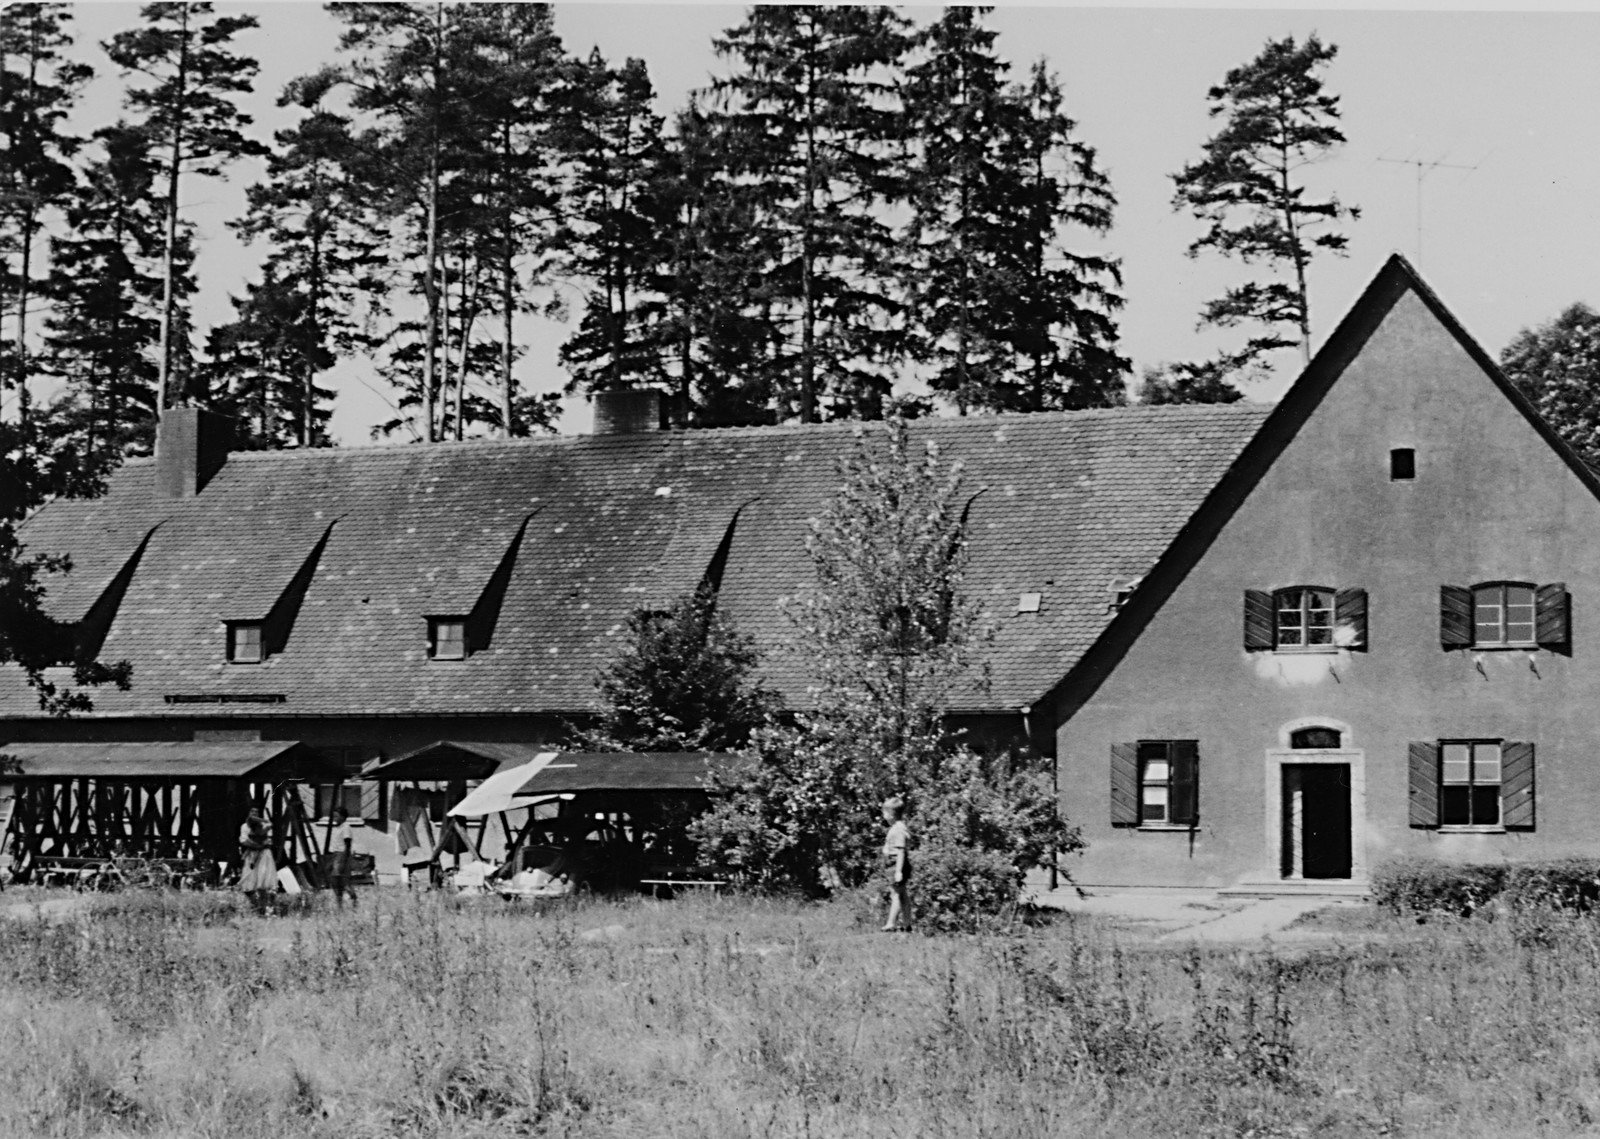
(663, 492)
(1029, 602)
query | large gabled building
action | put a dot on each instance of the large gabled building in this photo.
(1263, 644)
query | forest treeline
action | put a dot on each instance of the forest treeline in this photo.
(857, 199)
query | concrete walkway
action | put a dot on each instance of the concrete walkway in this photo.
(1176, 915)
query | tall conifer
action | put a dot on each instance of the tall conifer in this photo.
(39, 86)
(321, 257)
(105, 289)
(814, 124)
(190, 109)
(1248, 189)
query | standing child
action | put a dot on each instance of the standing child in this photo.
(897, 859)
(258, 875)
(341, 845)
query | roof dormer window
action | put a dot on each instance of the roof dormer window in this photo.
(447, 638)
(245, 644)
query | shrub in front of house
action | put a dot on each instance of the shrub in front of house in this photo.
(1426, 885)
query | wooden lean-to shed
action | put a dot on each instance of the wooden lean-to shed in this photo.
(174, 800)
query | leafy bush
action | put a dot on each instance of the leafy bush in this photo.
(978, 827)
(1425, 885)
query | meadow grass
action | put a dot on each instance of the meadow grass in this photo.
(418, 1015)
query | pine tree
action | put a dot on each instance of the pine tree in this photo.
(105, 290)
(1009, 317)
(620, 229)
(957, 111)
(1248, 191)
(452, 102)
(1059, 304)
(526, 99)
(813, 125)
(714, 344)
(39, 86)
(321, 261)
(190, 109)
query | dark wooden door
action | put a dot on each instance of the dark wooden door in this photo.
(1325, 820)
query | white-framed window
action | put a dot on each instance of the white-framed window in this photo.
(1504, 615)
(1304, 617)
(447, 638)
(1470, 777)
(1168, 782)
(245, 644)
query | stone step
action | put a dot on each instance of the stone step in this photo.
(1318, 888)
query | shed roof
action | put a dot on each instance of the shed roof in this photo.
(1073, 505)
(551, 773)
(178, 760)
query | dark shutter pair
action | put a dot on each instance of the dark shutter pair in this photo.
(1349, 614)
(1183, 794)
(1552, 621)
(1516, 784)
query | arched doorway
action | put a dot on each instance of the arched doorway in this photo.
(1316, 804)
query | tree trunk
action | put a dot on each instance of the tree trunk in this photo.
(430, 281)
(1286, 197)
(508, 301)
(808, 335)
(168, 292)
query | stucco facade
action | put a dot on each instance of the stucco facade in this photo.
(1491, 500)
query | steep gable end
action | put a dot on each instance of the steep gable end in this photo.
(1399, 374)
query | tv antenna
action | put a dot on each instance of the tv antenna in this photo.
(1423, 168)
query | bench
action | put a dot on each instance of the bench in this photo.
(666, 887)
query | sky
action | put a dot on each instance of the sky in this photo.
(1504, 103)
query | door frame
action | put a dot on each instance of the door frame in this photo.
(1277, 759)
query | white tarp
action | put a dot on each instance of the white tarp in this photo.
(499, 792)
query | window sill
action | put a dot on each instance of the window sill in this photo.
(1167, 827)
(1497, 829)
(1306, 650)
(1530, 647)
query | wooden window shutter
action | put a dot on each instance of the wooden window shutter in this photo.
(1258, 620)
(1455, 617)
(1516, 785)
(371, 803)
(1553, 623)
(1350, 613)
(1125, 785)
(1184, 804)
(1424, 783)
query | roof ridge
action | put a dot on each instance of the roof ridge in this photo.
(831, 427)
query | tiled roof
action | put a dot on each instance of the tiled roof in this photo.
(1075, 503)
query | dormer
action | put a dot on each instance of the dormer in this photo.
(254, 637)
(456, 631)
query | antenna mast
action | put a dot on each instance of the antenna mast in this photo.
(1423, 169)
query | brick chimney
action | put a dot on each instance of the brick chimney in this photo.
(191, 446)
(628, 411)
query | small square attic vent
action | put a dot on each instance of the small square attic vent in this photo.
(1029, 602)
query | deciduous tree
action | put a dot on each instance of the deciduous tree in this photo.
(887, 632)
(1557, 366)
(685, 680)
(1187, 383)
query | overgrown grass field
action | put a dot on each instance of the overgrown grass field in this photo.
(419, 1015)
